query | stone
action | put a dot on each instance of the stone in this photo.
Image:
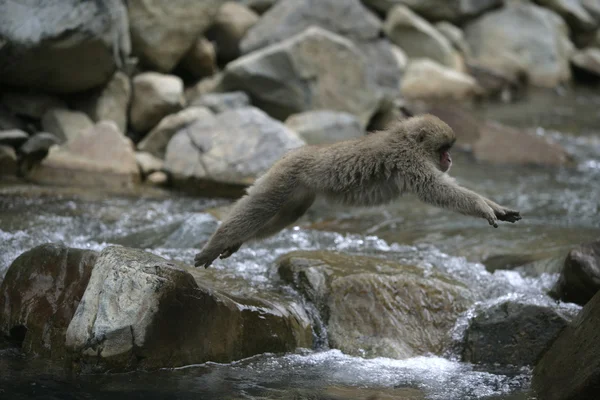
(592, 7)
(219, 102)
(259, 6)
(523, 36)
(386, 66)
(8, 160)
(137, 305)
(162, 32)
(110, 103)
(426, 79)
(454, 35)
(419, 39)
(157, 140)
(324, 126)
(37, 146)
(232, 22)
(103, 158)
(373, 307)
(513, 330)
(158, 178)
(201, 59)
(39, 295)
(499, 84)
(314, 70)
(154, 97)
(66, 124)
(573, 12)
(228, 150)
(286, 19)
(148, 163)
(586, 62)
(579, 278)
(570, 368)
(8, 120)
(31, 104)
(210, 84)
(439, 10)
(62, 46)
(14, 138)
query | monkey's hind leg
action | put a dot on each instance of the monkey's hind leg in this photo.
(292, 210)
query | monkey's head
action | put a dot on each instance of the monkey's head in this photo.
(434, 138)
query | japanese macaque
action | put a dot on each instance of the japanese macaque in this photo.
(410, 156)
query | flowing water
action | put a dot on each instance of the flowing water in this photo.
(559, 206)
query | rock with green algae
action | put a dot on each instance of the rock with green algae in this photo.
(374, 307)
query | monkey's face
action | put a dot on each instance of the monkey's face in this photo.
(445, 161)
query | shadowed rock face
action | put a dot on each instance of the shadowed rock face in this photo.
(579, 277)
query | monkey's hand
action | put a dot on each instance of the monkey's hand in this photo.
(205, 258)
(503, 213)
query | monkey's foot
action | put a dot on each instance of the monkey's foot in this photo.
(204, 259)
(229, 251)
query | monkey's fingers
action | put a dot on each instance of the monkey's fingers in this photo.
(510, 216)
(201, 260)
(492, 221)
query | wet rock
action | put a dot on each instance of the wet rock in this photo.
(36, 147)
(454, 35)
(229, 27)
(201, 58)
(162, 32)
(513, 330)
(373, 307)
(14, 138)
(324, 126)
(314, 70)
(31, 104)
(523, 36)
(148, 163)
(8, 160)
(579, 277)
(156, 141)
(586, 63)
(570, 369)
(39, 295)
(439, 10)
(573, 12)
(102, 158)
(85, 41)
(419, 39)
(219, 102)
(358, 393)
(111, 103)
(142, 311)
(286, 19)
(227, 150)
(426, 79)
(154, 96)
(66, 124)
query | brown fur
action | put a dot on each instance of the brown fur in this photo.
(371, 170)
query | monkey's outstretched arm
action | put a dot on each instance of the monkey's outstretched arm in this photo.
(503, 213)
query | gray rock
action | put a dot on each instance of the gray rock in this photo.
(259, 6)
(148, 163)
(574, 13)
(66, 124)
(37, 146)
(162, 32)
(231, 148)
(32, 105)
(13, 138)
(348, 18)
(419, 39)
(587, 60)
(231, 24)
(513, 330)
(201, 58)
(449, 10)
(137, 305)
(8, 160)
(210, 84)
(570, 368)
(454, 35)
(579, 278)
(314, 70)
(86, 41)
(154, 97)
(386, 65)
(9, 121)
(324, 126)
(110, 103)
(426, 79)
(103, 158)
(523, 36)
(158, 178)
(219, 102)
(157, 140)
(593, 7)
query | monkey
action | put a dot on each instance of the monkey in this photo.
(411, 156)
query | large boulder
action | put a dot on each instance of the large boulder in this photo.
(586, 63)
(163, 31)
(372, 307)
(228, 150)
(102, 157)
(570, 369)
(419, 39)
(579, 278)
(231, 24)
(62, 46)
(513, 330)
(154, 96)
(438, 10)
(573, 12)
(142, 311)
(523, 35)
(315, 69)
(426, 79)
(324, 126)
(66, 124)
(39, 295)
(348, 18)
